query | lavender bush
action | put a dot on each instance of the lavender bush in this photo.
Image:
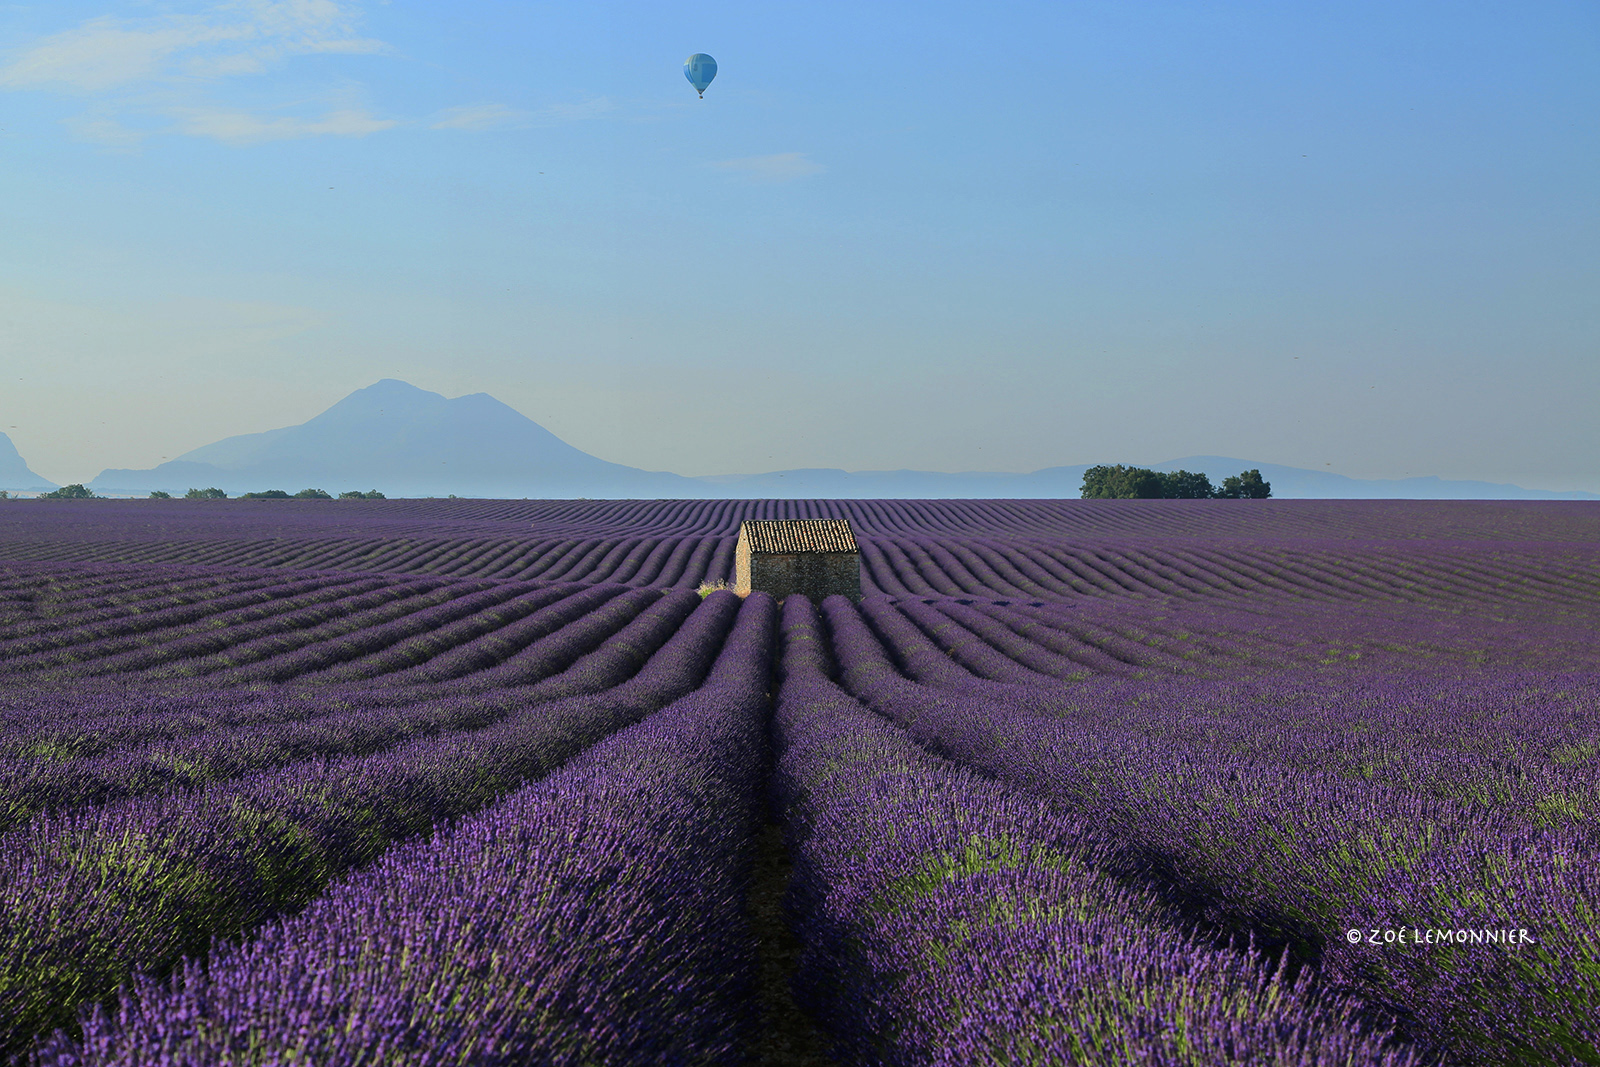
(1297, 806)
(138, 883)
(594, 917)
(952, 920)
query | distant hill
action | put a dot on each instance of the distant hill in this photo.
(828, 483)
(14, 473)
(406, 441)
(403, 441)
(1297, 482)
(1055, 482)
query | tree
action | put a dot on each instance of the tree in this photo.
(1120, 483)
(160, 494)
(312, 494)
(1138, 483)
(1248, 485)
(373, 494)
(269, 494)
(1184, 485)
(75, 491)
(212, 493)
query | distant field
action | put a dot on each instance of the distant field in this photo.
(477, 781)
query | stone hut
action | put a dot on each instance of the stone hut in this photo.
(815, 557)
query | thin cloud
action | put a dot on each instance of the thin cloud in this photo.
(156, 69)
(233, 38)
(241, 127)
(497, 116)
(226, 66)
(105, 131)
(783, 167)
(480, 117)
(578, 112)
(106, 52)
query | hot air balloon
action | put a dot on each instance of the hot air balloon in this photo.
(700, 69)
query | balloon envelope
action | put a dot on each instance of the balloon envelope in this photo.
(700, 69)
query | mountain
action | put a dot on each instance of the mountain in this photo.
(403, 441)
(406, 441)
(14, 473)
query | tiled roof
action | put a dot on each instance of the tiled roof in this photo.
(798, 535)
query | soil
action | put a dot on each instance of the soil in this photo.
(787, 1036)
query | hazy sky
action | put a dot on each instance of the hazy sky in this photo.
(1358, 237)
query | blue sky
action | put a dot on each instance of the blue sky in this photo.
(1352, 237)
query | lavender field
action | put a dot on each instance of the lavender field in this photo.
(1077, 782)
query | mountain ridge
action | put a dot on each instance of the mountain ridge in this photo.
(407, 441)
(404, 441)
(15, 475)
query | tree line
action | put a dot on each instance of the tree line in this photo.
(1139, 483)
(77, 491)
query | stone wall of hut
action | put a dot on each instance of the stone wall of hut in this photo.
(814, 574)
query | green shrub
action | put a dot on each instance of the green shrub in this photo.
(1120, 483)
(75, 491)
(1246, 486)
(707, 588)
(1134, 483)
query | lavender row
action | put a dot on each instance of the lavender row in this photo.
(501, 617)
(40, 601)
(339, 722)
(1038, 645)
(87, 720)
(42, 785)
(1536, 577)
(88, 897)
(1223, 640)
(434, 629)
(949, 638)
(445, 647)
(1031, 644)
(204, 643)
(523, 638)
(1132, 638)
(591, 652)
(205, 744)
(244, 601)
(1260, 800)
(951, 920)
(1483, 554)
(346, 638)
(99, 715)
(1392, 521)
(290, 657)
(1529, 736)
(1018, 639)
(593, 917)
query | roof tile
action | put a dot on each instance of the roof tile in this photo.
(798, 535)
